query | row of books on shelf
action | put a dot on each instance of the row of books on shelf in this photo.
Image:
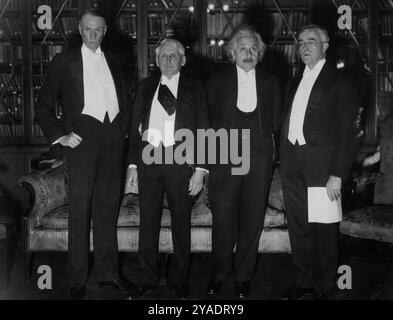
(386, 81)
(386, 4)
(216, 52)
(5, 53)
(40, 53)
(37, 131)
(10, 83)
(167, 4)
(359, 27)
(296, 20)
(70, 25)
(10, 27)
(283, 54)
(11, 5)
(11, 130)
(12, 104)
(127, 25)
(56, 30)
(38, 83)
(386, 25)
(65, 25)
(54, 4)
(359, 4)
(8, 130)
(274, 23)
(45, 54)
(217, 22)
(156, 24)
(10, 53)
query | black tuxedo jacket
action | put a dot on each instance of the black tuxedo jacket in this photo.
(64, 85)
(191, 111)
(329, 125)
(222, 92)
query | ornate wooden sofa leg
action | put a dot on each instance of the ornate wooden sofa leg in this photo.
(163, 267)
(28, 257)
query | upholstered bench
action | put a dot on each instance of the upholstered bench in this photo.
(374, 222)
(45, 224)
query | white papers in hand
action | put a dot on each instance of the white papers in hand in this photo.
(320, 208)
(132, 188)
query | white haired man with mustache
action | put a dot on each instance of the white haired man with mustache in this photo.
(241, 96)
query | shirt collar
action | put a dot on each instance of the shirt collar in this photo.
(317, 67)
(87, 51)
(174, 80)
(243, 73)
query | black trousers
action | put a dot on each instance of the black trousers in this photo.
(153, 181)
(314, 245)
(94, 179)
(238, 206)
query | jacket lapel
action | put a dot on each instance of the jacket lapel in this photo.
(184, 100)
(76, 69)
(113, 67)
(262, 88)
(319, 89)
(290, 97)
(148, 99)
(232, 88)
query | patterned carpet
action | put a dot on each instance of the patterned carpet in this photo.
(370, 262)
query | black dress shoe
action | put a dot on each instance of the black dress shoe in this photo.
(77, 293)
(140, 292)
(122, 286)
(214, 286)
(242, 289)
(181, 290)
(297, 293)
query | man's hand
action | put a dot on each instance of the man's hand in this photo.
(131, 179)
(333, 187)
(196, 182)
(71, 140)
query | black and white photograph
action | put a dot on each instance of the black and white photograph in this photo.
(196, 157)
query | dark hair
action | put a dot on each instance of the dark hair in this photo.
(93, 12)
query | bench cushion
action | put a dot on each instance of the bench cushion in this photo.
(45, 239)
(50, 201)
(129, 215)
(374, 222)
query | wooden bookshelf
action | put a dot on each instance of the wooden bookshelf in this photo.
(204, 26)
(12, 107)
(385, 60)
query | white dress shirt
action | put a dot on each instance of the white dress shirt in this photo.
(300, 103)
(161, 124)
(98, 86)
(247, 90)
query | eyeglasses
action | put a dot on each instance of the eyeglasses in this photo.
(311, 42)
